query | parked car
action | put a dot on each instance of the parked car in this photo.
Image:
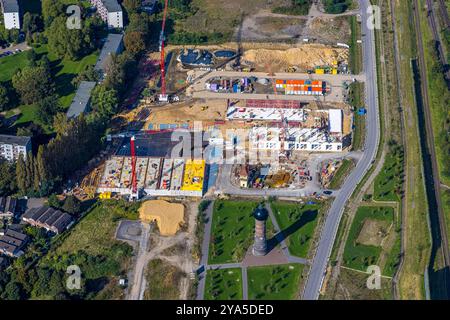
(327, 192)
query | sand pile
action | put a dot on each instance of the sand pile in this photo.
(168, 216)
(307, 56)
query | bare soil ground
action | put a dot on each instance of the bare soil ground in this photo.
(373, 232)
(352, 285)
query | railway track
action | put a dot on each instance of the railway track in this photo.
(430, 138)
(432, 21)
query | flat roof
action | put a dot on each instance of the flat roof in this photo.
(8, 139)
(10, 6)
(81, 100)
(157, 144)
(335, 120)
(112, 5)
(111, 46)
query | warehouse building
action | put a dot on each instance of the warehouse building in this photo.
(12, 242)
(11, 14)
(48, 218)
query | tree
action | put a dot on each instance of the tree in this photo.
(47, 108)
(134, 42)
(104, 101)
(4, 97)
(88, 74)
(69, 43)
(53, 201)
(21, 175)
(131, 5)
(33, 84)
(71, 205)
(7, 178)
(13, 291)
(60, 123)
(51, 9)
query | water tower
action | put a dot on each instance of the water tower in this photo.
(260, 244)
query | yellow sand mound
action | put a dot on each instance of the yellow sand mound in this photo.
(168, 216)
(307, 56)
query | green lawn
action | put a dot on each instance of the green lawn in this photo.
(95, 232)
(341, 173)
(64, 71)
(232, 230)
(388, 183)
(224, 284)
(355, 58)
(356, 100)
(360, 256)
(280, 282)
(9, 65)
(298, 223)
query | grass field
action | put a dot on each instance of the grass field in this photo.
(224, 284)
(340, 175)
(94, 235)
(280, 282)
(232, 230)
(387, 185)
(356, 100)
(298, 223)
(418, 245)
(355, 58)
(359, 256)
(9, 65)
(164, 281)
(353, 286)
(63, 72)
(95, 232)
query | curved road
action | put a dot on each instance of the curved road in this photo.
(319, 264)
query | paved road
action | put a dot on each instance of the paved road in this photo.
(335, 82)
(22, 46)
(138, 284)
(319, 264)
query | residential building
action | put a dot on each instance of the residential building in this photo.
(112, 45)
(110, 11)
(81, 101)
(11, 14)
(12, 243)
(51, 219)
(11, 147)
(8, 206)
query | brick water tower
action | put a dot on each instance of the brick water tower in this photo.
(260, 244)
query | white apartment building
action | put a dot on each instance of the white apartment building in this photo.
(11, 17)
(110, 11)
(11, 147)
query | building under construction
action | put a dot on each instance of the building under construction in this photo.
(154, 176)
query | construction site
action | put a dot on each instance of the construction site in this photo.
(290, 97)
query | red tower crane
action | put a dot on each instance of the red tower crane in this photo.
(163, 96)
(133, 167)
